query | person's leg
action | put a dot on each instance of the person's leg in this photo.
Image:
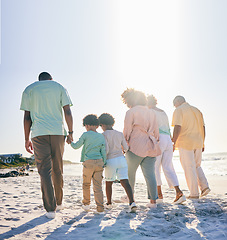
(97, 184)
(168, 169)
(110, 170)
(122, 175)
(159, 189)
(133, 163)
(158, 163)
(88, 170)
(57, 150)
(202, 181)
(110, 177)
(109, 192)
(148, 169)
(178, 191)
(42, 152)
(188, 163)
(125, 184)
(158, 175)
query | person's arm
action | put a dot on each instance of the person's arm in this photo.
(79, 143)
(107, 147)
(103, 153)
(69, 122)
(204, 132)
(156, 128)
(176, 133)
(124, 144)
(27, 129)
(128, 124)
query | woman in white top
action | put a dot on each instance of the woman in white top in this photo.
(165, 159)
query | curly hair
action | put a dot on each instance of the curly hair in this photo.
(106, 119)
(132, 97)
(151, 100)
(91, 120)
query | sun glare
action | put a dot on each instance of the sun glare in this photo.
(147, 49)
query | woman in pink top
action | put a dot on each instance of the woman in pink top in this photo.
(141, 133)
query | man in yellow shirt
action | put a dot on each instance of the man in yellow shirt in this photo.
(188, 137)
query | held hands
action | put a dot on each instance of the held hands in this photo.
(173, 141)
(173, 147)
(28, 146)
(69, 139)
(173, 144)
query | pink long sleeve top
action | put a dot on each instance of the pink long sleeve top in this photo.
(141, 131)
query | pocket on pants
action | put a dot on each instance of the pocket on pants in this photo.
(88, 165)
(100, 166)
(99, 169)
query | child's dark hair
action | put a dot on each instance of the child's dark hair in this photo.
(91, 120)
(106, 119)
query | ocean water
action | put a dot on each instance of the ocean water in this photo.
(214, 164)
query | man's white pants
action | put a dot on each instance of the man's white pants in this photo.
(195, 177)
(165, 160)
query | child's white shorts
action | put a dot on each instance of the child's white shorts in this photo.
(116, 168)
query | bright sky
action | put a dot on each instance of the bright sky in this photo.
(97, 48)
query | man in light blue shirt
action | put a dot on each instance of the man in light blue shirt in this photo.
(42, 102)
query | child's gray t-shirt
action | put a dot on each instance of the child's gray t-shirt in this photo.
(114, 142)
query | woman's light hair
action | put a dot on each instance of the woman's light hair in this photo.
(151, 101)
(132, 97)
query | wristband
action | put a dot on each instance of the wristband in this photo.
(70, 132)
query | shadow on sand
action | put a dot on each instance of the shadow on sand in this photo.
(25, 227)
(79, 227)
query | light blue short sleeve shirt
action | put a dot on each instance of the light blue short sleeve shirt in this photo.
(45, 100)
(94, 146)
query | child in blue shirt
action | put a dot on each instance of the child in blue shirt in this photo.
(93, 156)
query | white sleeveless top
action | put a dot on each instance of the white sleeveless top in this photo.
(163, 122)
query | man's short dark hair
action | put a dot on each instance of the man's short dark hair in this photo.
(106, 119)
(91, 120)
(44, 76)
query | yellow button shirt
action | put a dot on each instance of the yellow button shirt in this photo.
(191, 121)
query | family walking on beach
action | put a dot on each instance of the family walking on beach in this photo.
(145, 141)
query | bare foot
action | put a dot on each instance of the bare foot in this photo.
(180, 199)
(160, 196)
(178, 195)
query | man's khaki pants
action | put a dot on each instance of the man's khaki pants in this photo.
(93, 169)
(48, 151)
(195, 177)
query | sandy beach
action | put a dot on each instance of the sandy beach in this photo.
(22, 213)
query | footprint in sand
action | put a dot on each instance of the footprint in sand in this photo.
(11, 208)
(12, 219)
